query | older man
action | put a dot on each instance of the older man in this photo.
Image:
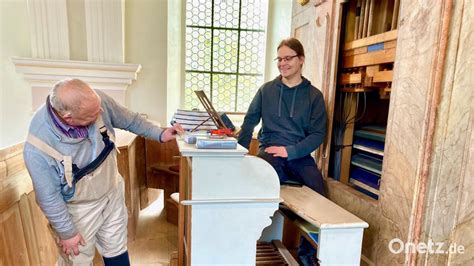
(70, 155)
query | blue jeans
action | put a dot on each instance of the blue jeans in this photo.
(304, 171)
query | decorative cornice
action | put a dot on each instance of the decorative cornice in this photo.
(42, 74)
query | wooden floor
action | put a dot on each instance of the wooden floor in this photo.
(156, 238)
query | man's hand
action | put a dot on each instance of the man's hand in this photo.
(71, 246)
(170, 132)
(277, 151)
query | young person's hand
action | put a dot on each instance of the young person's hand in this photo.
(277, 151)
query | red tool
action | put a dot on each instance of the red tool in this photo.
(222, 132)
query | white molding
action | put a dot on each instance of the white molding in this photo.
(105, 30)
(49, 31)
(42, 74)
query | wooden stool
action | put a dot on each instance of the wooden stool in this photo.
(172, 209)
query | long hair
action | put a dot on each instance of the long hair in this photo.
(294, 44)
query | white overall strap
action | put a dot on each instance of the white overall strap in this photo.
(42, 146)
(99, 124)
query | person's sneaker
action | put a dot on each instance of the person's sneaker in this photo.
(308, 260)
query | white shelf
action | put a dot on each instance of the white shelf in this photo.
(367, 149)
(364, 186)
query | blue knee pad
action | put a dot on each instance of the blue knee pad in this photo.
(120, 260)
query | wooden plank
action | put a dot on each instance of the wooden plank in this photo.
(3, 170)
(350, 79)
(13, 248)
(371, 18)
(347, 142)
(371, 70)
(11, 151)
(12, 187)
(284, 253)
(318, 210)
(382, 37)
(373, 58)
(383, 76)
(390, 44)
(360, 89)
(396, 6)
(366, 18)
(28, 229)
(356, 27)
(46, 244)
(361, 19)
(360, 50)
(351, 22)
(15, 164)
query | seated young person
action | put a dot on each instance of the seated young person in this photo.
(293, 118)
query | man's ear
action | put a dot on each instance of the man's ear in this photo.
(67, 117)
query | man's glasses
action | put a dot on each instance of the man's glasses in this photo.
(285, 59)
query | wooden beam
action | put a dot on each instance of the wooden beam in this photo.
(383, 76)
(373, 58)
(350, 79)
(382, 37)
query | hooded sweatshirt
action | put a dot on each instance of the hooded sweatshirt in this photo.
(291, 117)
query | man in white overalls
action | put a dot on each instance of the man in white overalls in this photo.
(71, 157)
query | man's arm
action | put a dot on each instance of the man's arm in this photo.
(252, 118)
(47, 186)
(125, 119)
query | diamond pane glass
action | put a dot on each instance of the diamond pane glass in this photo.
(198, 49)
(251, 52)
(248, 86)
(198, 13)
(254, 14)
(223, 95)
(235, 64)
(226, 13)
(195, 81)
(225, 50)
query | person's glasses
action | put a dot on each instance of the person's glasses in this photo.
(285, 59)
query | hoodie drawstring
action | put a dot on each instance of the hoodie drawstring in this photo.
(293, 102)
(279, 102)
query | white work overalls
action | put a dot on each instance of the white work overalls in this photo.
(97, 208)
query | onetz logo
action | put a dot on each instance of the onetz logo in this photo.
(397, 246)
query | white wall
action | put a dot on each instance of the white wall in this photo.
(15, 97)
(279, 21)
(146, 44)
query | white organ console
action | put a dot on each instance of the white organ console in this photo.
(226, 199)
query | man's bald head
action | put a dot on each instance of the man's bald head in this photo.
(75, 101)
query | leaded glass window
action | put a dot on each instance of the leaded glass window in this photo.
(225, 48)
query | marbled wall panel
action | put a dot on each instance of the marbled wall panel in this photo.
(464, 235)
(412, 85)
(464, 82)
(416, 47)
(363, 207)
(451, 140)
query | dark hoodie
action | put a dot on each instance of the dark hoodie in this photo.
(291, 117)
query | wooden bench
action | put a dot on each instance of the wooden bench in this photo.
(335, 232)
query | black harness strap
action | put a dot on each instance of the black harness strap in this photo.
(78, 173)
